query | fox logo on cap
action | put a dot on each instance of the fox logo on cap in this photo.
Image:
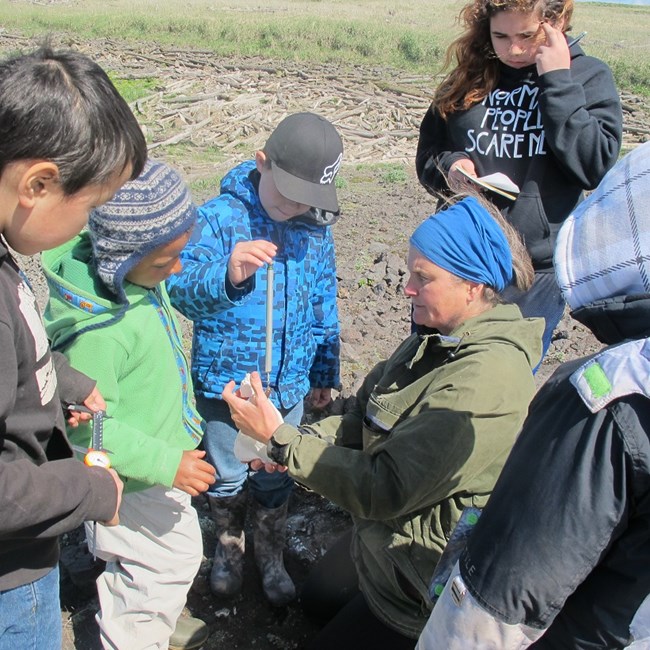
(331, 170)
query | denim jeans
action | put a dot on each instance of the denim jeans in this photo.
(30, 615)
(544, 299)
(270, 490)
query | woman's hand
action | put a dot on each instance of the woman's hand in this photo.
(553, 53)
(259, 464)
(257, 417)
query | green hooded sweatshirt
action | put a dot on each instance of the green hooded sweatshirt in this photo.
(429, 436)
(135, 354)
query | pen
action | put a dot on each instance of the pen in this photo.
(576, 39)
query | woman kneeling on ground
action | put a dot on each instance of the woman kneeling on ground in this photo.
(431, 430)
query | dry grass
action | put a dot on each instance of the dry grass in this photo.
(410, 35)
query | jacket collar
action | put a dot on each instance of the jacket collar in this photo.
(617, 319)
(450, 342)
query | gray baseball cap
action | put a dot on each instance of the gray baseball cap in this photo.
(305, 153)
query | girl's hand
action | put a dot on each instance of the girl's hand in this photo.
(247, 257)
(457, 181)
(553, 53)
(194, 475)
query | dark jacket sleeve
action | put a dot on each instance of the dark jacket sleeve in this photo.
(50, 499)
(40, 498)
(74, 386)
(583, 123)
(434, 157)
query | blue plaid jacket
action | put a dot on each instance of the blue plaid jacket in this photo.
(230, 325)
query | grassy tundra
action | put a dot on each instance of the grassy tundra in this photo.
(409, 35)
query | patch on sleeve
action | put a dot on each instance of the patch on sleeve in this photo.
(597, 380)
(616, 372)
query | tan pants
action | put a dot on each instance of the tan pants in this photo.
(152, 557)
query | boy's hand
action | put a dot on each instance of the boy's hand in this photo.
(320, 397)
(247, 257)
(194, 475)
(94, 401)
(553, 53)
(120, 486)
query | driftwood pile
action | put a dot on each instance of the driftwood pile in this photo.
(231, 105)
(234, 105)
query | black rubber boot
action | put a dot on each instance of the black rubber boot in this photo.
(269, 535)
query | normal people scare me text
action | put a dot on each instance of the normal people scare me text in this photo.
(511, 126)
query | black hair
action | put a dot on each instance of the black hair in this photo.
(61, 106)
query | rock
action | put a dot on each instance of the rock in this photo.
(349, 353)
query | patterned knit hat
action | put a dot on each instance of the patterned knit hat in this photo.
(603, 248)
(145, 214)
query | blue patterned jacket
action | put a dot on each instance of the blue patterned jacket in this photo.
(230, 324)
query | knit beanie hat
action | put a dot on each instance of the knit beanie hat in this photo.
(603, 248)
(145, 214)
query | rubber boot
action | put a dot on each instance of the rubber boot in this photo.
(229, 515)
(190, 633)
(269, 535)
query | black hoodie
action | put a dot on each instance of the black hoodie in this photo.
(43, 491)
(554, 135)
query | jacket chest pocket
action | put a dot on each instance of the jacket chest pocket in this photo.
(372, 436)
(378, 424)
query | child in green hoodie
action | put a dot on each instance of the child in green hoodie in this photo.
(110, 315)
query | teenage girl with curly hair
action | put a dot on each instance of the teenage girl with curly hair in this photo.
(522, 101)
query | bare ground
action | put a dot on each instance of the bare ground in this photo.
(226, 108)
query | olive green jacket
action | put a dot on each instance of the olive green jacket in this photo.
(432, 429)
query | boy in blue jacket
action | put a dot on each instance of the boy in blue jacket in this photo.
(275, 209)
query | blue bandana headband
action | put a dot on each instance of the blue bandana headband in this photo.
(466, 241)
